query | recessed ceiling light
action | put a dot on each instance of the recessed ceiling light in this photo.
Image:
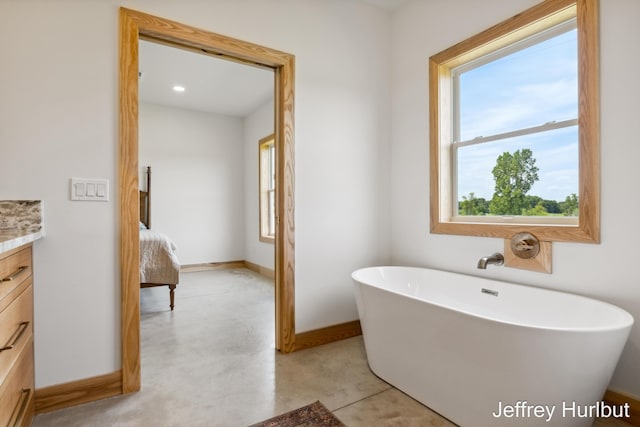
(178, 88)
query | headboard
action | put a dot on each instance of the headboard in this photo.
(145, 201)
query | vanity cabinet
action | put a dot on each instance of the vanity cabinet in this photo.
(16, 337)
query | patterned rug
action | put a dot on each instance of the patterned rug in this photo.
(314, 415)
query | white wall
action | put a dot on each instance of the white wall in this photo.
(257, 125)
(197, 185)
(59, 119)
(605, 271)
(205, 181)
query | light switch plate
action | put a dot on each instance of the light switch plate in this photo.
(88, 189)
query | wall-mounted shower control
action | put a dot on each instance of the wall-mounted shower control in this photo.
(525, 245)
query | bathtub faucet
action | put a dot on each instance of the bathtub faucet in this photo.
(496, 259)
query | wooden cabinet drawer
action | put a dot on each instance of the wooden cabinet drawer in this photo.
(15, 268)
(16, 329)
(16, 392)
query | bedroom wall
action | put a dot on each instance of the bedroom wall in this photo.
(256, 126)
(197, 167)
(59, 119)
(605, 271)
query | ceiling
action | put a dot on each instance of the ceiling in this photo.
(389, 5)
(211, 84)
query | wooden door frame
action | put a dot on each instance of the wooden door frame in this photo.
(135, 25)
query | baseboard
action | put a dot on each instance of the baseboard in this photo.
(327, 335)
(207, 266)
(615, 398)
(77, 392)
(268, 272)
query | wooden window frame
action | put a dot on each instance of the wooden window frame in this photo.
(531, 21)
(264, 185)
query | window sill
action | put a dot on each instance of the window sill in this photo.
(548, 233)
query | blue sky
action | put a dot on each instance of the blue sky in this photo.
(525, 89)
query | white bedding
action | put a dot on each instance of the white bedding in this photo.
(158, 260)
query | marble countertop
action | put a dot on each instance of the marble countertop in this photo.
(13, 239)
(20, 223)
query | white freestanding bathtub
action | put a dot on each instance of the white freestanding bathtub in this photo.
(485, 353)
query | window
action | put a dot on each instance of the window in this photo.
(267, 178)
(514, 127)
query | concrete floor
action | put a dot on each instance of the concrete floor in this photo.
(212, 362)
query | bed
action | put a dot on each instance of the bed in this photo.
(159, 265)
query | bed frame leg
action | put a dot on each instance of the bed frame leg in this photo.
(171, 295)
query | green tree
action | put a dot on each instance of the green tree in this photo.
(514, 175)
(470, 205)
(552, 206)
(538, 210)
(532, 201)
(570, 205)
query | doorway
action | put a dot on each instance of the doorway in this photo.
(134, 26)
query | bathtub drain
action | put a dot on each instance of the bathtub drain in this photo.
(490, 292)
